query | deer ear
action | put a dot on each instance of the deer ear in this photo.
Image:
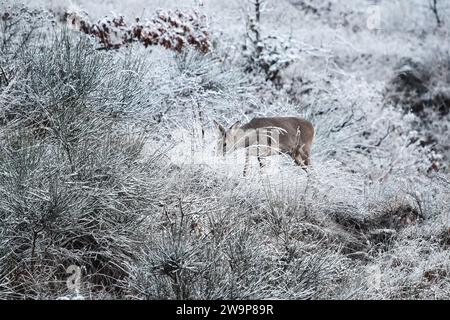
(220, 127)
(236, 125)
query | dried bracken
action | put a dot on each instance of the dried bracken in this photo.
(174, 30)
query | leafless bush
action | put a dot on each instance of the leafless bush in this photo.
(433, 5)
(269, 55)
(18, 26)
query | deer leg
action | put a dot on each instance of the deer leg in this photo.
(247, 161)
(262, 163)
(247, 156)
(258, 153)
(307, 161)
(300, 159)
(307, 155)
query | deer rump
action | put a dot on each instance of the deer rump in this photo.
(289, 135)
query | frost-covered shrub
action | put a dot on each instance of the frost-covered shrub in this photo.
(415, 268)
(421, 87)
(60, 209)
(74, 186)
(228, 248)
(173, 30)
(19, 26)
(357, 15)
(192, 88)
(268, 55)
(69, 77)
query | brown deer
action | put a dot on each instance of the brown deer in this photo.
(272, 135)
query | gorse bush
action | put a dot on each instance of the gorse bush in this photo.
(76, 79)
(68, 152)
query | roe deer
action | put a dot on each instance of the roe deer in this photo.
(273, 135)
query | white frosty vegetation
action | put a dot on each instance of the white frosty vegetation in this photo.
(108, 163)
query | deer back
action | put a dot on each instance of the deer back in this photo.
(295, 132)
